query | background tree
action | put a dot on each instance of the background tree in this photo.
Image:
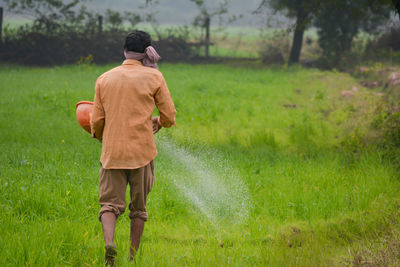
(204, 20)
(47, 11)
(339, 21)
(75, 13)
(396, 5)
(207, 14)
(302, 11)
(114, 18)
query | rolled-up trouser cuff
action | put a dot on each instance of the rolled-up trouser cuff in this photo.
(108, 208)
(138, 214)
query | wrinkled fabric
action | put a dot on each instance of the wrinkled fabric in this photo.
(149, 58)
(113, 183)
(124, 101)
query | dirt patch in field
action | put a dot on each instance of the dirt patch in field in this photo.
(383, 252)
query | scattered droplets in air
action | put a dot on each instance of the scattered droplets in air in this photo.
(207, 181)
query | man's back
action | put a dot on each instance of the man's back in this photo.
(124, 102)
(122, 119)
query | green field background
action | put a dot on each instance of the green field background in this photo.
(264, 168)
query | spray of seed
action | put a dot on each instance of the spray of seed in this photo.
(207, 181)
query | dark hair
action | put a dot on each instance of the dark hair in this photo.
(137, 41)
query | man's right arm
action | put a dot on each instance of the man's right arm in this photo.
(165, 105)
(98, 117)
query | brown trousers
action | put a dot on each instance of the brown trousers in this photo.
(113, 184)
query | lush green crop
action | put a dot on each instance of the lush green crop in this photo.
(264, 168)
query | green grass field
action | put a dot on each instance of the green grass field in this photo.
(264, 168)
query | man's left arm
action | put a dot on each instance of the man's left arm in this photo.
(165, 106)
(97, 119)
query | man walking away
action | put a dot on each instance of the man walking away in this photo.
(124, 100)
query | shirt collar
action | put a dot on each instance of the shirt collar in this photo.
(132, 62)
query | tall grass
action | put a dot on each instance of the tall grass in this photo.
(274, 137)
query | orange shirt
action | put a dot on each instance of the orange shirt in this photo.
(124, 102)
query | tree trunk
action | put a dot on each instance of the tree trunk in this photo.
(1, 25)
(100, 25)
(301, 22)
(207, 41)
(396, 4)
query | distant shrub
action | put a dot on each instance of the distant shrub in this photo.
(339, 22)
(388, 121)
(390, 39)
(275, 49)
(174, 45)
(67, 45)
(384, 47)
(54, 40)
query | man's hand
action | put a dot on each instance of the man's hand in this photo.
(156, 124)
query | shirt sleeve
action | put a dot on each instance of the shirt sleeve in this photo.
(165, 105)
(97, 119)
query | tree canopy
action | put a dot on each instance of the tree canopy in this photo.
(337, 22)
